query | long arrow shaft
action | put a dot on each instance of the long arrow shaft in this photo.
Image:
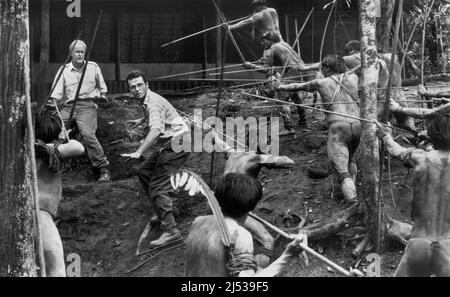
(200, 32)
(325, 111)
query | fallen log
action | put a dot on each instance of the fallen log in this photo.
(408, 82)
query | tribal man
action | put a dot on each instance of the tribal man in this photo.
(280, 54)
(353, 60)
(263, 20)
(206, 254)
(428, 250)
(344, 133)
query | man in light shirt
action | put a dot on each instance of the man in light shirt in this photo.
(85, 114)
(164, 124)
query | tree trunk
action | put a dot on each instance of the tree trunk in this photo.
(369, 141)
(44, 55)
(384, 25)
(17, 256)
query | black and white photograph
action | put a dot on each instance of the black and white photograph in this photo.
(205, 140)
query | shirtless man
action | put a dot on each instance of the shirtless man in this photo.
(428, 250)
(250, 163)
(343, 133)
(353, 60)
(263, 20)
(48, 155)
(280, 54)
(237, 195)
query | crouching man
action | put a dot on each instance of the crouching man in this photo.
(48, 163)
(164, 124)
(428, 250)
(237, 195)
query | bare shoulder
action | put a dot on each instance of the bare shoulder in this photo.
(243, 240)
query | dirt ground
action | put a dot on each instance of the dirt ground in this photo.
(103, 222)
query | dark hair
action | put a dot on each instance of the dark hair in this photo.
(272, 36)
(439, 130)
(237, 194)
(259, 3)
(335, 63)
(48, 126)
(135, 74)
(352, 45)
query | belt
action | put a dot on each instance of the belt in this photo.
(80, 100)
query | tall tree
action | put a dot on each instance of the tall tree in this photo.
(384, 24)
(17, 256)
(369, 141)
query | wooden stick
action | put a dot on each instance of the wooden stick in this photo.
(202, 31)
(58, 77)
(297, 37)
(426, 16)
(304, 247)
(154, 256)
(34, 177)
(257, 69)
(199, 71)
(324, 34)
(88, 54)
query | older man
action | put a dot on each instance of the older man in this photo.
(85, 114)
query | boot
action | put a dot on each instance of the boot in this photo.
(105, 175)
(349, 189)
(166, 237)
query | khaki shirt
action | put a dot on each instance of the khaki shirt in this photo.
(160, 114)
(93, 83)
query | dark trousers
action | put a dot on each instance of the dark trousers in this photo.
(154, 175)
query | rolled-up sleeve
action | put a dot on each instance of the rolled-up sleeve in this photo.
(156, 117)
(100, 81)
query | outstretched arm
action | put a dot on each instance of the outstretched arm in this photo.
(415, 112)
(436, 94)
(295, 87)
(304, 67)
(242, 24)
(270, 161)
(407, 155)
(279, 265)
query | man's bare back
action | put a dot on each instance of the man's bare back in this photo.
(428, 251)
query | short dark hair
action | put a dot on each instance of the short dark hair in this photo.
(439, 130)
(135, 74)
(259, 3)
(238, 194)
(335, 63)
(48, 126)
(352, 45)
(271, 36)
